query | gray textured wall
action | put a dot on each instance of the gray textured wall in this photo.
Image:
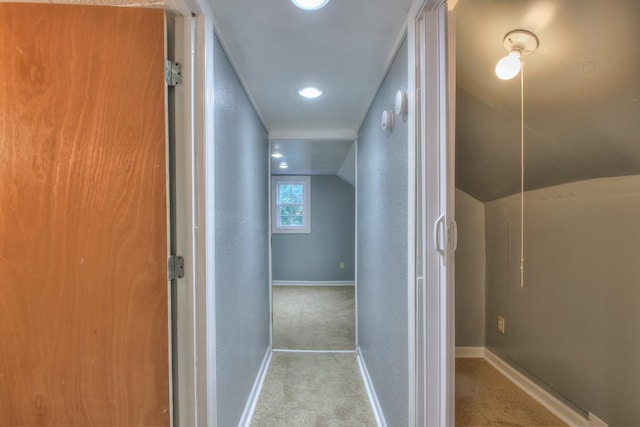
(242, 227)
(470, 271)
(574, 325)
(317, 256)
(382, 248)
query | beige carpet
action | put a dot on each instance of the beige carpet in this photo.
(484, 397)
(313, 389)
(314, 317)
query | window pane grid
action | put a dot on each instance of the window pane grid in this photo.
(290, 209)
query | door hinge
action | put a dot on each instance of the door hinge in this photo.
(172, 73)
(175, 267)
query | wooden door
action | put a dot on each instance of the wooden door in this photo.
(83, 232)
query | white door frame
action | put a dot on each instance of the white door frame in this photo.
(431, 212)
(194, 376)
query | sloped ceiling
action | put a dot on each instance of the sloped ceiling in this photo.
(581, 94)
(312, 158)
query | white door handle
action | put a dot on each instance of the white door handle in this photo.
(439, 234)
(454, 236)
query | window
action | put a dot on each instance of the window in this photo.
(291, 204)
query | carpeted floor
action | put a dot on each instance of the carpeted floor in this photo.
(484, 397)
(326, 389)
(313, 389)
(314, 317)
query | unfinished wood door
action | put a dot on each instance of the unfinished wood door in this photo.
(83, 232)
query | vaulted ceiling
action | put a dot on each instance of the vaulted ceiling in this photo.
(581, 94)
(582, 85)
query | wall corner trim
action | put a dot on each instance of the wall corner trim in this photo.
(371, 392)
(250, 407)
(554, 405)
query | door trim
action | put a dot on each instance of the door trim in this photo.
(194, 385)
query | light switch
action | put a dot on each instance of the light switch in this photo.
(501, 324)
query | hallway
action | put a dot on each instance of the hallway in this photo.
(313, 378)
(313, 389)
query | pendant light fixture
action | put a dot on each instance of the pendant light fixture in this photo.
(518, 43)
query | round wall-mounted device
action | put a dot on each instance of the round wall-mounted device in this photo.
(387, 120)
(401, 102)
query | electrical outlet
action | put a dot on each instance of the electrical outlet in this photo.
(501, 324)
(341, 265)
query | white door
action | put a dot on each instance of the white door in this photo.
(432, 290)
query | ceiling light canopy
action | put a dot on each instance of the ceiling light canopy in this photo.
(310, 92)
(310, 4)
(518, 43)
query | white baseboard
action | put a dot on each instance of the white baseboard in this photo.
(371, 392)
(250, 407)
(554, 405)
(312, 283)
(595, 421)
(471, 352)
(286, 350)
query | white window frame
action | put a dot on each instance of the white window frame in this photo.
(306, 220)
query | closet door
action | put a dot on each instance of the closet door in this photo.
(432, 395)
(83, 217)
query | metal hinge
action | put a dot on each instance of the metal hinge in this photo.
(175, 267)
(172, 73)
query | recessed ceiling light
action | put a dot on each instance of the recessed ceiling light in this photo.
(310, 92)
(310, 4)
(276, 155)
(283, 165)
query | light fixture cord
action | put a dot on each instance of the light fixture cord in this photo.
(522, 176)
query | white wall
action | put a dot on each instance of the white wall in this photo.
(574, 325)
(470, 271)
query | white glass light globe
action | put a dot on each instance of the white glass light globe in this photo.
(509, 66)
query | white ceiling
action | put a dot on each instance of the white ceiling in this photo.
(582, 85)
(343, 48)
